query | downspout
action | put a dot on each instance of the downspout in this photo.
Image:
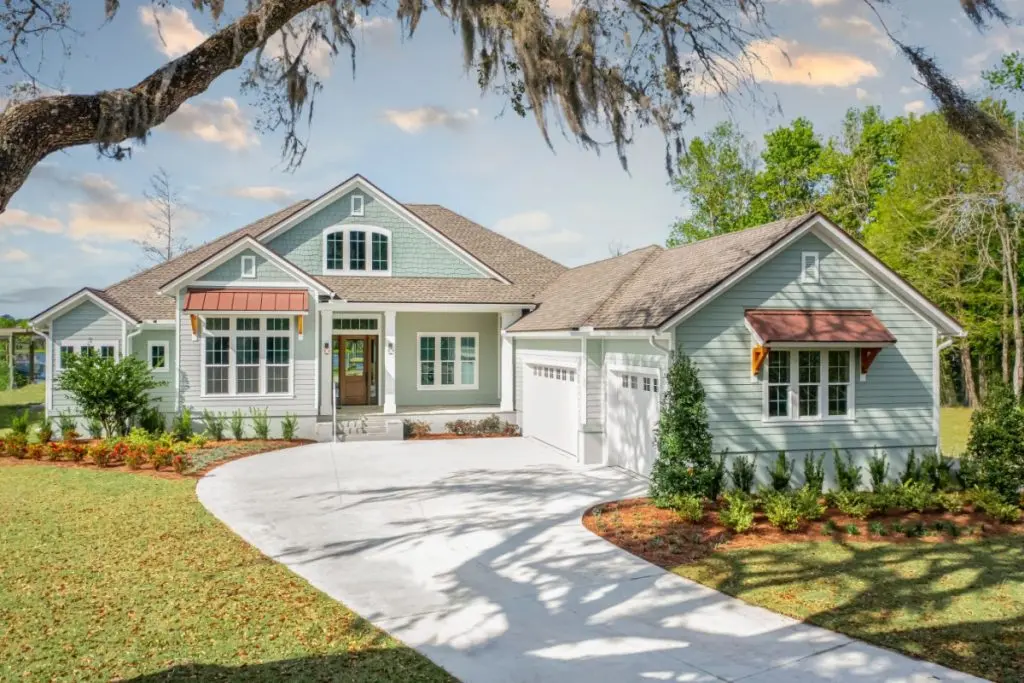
(653, 341)
(128, 339)
(936, 384)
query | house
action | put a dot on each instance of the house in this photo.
(356, 305)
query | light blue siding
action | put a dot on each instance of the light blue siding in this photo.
(414, 253)
(231, 271)
(86, 323)
(527, 344)
(163, 396)
(894, 406)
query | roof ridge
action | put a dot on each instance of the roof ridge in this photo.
(623, 284)
(801, 219)
(657, 247)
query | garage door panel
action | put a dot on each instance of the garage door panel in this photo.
(633, 403)
(551, 404)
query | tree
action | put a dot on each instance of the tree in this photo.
(685, 464)
(620, 66)
(164, 241)
(792, 178)
(114, 392)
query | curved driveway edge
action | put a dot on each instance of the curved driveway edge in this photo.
(472, 552)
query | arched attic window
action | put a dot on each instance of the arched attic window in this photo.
(357, 250)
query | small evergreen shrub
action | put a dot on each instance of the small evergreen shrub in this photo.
(289, 425)
(852, 529)
(492, 424)
(1005, 513)
(689, 506)
(68, 425)
(460, 427)
(852, 503)
(847, 474)
(951, 501)
(917, 496)
(115, 392)
(238, 425)
(937, 471)
(45, 432)
(214, 425)
(742, 474)
(782, 512)
(781, 472)
(877, 529)
(415, 428)
(808, 503)
(968, 474)
(198, 441)
(260, 423)
(814, 472)
(878, 470)
(182, 428)
(685, 463)
(716, 483)
(152, 420)
(95, 428)
(912, 470)
(829, 528)
(21, 423)
(738, 513)
(996, 443)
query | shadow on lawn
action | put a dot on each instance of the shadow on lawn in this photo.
(8, 413)
(377, 665)
(958, 604)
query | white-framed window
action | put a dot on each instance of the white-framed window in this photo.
(557, 373)
(447, 360)
(247, 356)
(648, 383)
(357, 250)
(809, 268)
(104, 348)
(358, 203)
(249, 267)
(808, 385)
(158, 356)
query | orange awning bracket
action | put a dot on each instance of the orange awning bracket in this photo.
(194, 320)
(867, 357)
(757, 356)
(298, 325)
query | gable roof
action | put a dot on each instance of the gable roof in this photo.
(96, 296)
(657, 291)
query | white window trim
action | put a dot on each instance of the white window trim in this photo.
(167, 357)
(793, 394)
(345, 230)
(232, 366)
(78, 345)
(248, 267)
(806, 258)
(361, 210)
(458, 362)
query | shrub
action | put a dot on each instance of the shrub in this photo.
(1007, 513)
(161, 457)
(829, 528)
(121, 451)
(35, 451)
(983, 499)
(877, 529)
(95, 428)
(289, 425)
(968, 474)
(808, 503)
(21, 423)
(181, 428)
(16, 446)
(45, 432)
(460, 427)
(100, 454)
(181, 463)
(852, 529)
(912, 470)
(214, 425)
(878, 470)
(996, 442)
(738, 513)
(489, 425)
(415, 428)
(198, 441)
(689, 506)
(852, 503)
(685, 462)
(782, 512)
(260, 423)
(113, 392)
(716, 482)
(847, 474)
(918, 496)
(134, 458)
(237, 425)
(68, 425)
(511, 429)
(56, 451)
(742, 474)
(936, 471)
(152, 420)
(781, 472)
(951, 501)
(814, 472)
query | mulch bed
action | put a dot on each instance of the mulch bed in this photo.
(447, 435)
(663, 538)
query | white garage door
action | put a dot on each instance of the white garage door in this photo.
(632, 415)
(551, 405)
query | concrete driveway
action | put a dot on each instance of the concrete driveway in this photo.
(473, 553)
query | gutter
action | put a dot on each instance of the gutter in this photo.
(653, 341)
(128, 339)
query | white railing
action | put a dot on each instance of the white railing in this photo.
(334, 412)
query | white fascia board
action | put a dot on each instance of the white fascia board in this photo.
(75, 299)
(358, 181)
(224, 255)
(590, 332)
(342, 306)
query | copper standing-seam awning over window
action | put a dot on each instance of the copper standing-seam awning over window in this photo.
(824, 327)
(247, 300)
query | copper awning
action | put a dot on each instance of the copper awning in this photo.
(249, 300)
(794, 326)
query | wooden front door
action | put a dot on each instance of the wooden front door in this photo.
(355, 369)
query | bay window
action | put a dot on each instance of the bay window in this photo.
(247, 356)
(447, 361)
(357, 250)
(808, 385)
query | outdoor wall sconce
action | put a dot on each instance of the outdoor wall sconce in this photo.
(391, 348)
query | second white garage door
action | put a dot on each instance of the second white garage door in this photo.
(551, 405)
(631, 418)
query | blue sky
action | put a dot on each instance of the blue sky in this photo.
(415, 124)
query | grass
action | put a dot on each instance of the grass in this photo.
(15, 402)
(954, 425)
(959, 604)
(107, 575)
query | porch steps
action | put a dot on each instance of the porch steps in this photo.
(366, 428)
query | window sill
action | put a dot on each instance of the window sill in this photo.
(845, 419)
(359, 273)
(247, 397)
(450, 387)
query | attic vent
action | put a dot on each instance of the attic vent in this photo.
(357, 205)
(809, 272)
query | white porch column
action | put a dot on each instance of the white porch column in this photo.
(390, 407)
(324, 361)
(508, 382)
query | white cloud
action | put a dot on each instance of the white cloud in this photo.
(172, 29)
(218, 121)
(415, 120)
(862, 94)
(806, 66)
(265, 193)
(14, 256)
(857, 27)
(536, 229)
(108, 214)
(18, 218)
(318, 54)
(910, 89)
(915, 107)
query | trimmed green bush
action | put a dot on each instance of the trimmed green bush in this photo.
(808, 503)
(936, 471)
(852, 503)
(290, 425)
(115, 392)
(782, 512)
(847, 474)
(214, 425)
(738, 513)
(742, 474)
(878, 470)
(689, 506)
(814, 472)
(781, 472)
(996, 443)
(912, 470)
(260, 423)
(182, 427)
(238, 425)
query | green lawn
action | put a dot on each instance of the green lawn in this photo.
(959, 604)
(13, 403)
(108, 575)
(954, 425)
